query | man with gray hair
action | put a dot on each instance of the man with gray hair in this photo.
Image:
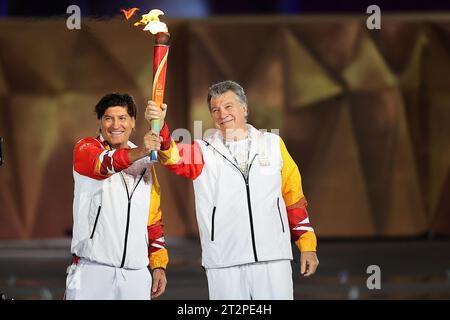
(249, 202)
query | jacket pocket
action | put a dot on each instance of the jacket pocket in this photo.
(96, 220)
(279, 213)
(212, 223)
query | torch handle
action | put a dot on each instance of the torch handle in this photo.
(156, 126)
(153, 155)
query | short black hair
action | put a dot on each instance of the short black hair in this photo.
(116, 99)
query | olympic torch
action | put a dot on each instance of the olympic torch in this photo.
(160, 54)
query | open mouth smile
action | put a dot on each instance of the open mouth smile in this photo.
(115, 133)
(225, 121)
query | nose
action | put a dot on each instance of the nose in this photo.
(222, 113)
(115, 123)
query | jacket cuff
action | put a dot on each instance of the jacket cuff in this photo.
(159, 259)
(170, 156)
(307, 242)
(164, 133)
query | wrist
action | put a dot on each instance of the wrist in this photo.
(135, 154)
(160, 268)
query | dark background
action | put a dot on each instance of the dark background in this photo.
(204, 8)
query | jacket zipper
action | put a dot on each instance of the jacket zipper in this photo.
(279, 213)
(128, 215)
(96, 220)
(247, 187)
(212, 223)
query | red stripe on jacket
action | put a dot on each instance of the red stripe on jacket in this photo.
(295, 216)
(86, 159)
(155, 237)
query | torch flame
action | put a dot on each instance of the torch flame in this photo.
(152, 23)
(129, 13)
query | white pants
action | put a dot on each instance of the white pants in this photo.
(88, 280)
(271, 280)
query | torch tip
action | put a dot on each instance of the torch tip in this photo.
(162, 38)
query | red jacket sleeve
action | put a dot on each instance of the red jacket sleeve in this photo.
(183, 159)
(92, 160)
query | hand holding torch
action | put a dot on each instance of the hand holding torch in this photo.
(160, 54)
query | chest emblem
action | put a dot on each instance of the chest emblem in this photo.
(263, 160)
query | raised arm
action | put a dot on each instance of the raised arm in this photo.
(96, 161)
(183, 159)
(91, 159)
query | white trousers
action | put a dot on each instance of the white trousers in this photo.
(88, 280)
(271, 280)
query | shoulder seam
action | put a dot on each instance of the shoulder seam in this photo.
(89, 140)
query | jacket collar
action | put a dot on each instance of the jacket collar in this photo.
(107, 146)
(216, 140)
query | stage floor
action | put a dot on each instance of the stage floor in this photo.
(410, 269)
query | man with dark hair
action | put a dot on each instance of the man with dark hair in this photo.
(249, 202)
(118, 242)
(116, 99)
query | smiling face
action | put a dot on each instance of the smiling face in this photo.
(117, 125)
(228, 113)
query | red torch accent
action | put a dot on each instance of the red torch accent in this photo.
(160, 55)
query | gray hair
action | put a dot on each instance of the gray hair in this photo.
(220, 88)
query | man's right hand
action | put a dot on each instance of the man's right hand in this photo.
(151, 141)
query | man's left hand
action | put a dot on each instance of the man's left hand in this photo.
(153, 112)
(159, 283)
(308, 263)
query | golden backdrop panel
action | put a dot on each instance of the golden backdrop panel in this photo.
(36, 55)
(337, 189)
(364, 114)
